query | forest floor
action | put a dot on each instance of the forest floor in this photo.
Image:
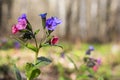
(61, 68)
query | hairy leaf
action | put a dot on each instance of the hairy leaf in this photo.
(42, 61)
(35, 73)
(31, 71)
(30, 46)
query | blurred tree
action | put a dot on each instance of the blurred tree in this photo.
(10, 4)
(113, 19)
(0, 13)
(87, 20)
(68, 20)
(5, 13)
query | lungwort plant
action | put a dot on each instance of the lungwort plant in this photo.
(23, 33)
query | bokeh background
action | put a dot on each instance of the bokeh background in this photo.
(87, 20)
(84, 23)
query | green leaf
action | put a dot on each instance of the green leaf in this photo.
(31, 71)
(80, 77)
(45, 45)
(42, 61)
(83, 68)
(31, 47)
(101, 78)
(17, 73)
(24, 31)
(28, 69)
(90, 70)
(29, 26)
(35, 73)
(36, 32)
(58, 46)
(71, 60)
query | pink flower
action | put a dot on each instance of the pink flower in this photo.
(14, 29)
(95, 68)
(54, 40)
(98, 61)
(22, 24)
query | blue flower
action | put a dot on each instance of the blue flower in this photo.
(23, 16)
(17, 45)
(88, 52)
(51, 23)
(91, 48)
(62, 55)
(43, 16)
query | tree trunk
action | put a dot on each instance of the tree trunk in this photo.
(68, 20)
(0, 14)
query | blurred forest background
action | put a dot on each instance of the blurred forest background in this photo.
(85, 20)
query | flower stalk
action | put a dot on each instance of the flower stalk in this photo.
(24, 27)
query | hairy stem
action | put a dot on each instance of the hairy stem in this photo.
(36, 54)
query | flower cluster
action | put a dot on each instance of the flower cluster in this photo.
(52, 22)
(91, 62)
(21, 25)
(24, 27)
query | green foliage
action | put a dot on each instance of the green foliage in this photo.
(31, 71)
(81, 77)
(45, 45)
(90, 70)
(59, 46)
(35, 73)
(101, 78)
(42, 61)
(29, 26)
(31, 47)
(71, 60)
(36, 32)
(17, 73)
(82, 68)
(26, 33)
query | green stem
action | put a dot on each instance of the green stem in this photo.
(36, 55)
(27, 78)
(36, 42)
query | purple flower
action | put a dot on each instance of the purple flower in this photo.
(99, 61)
(23, 16)
(17, 45)
(22, 24)
(51, 23)
(91, 48)
(62, 54)
(43, 16)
